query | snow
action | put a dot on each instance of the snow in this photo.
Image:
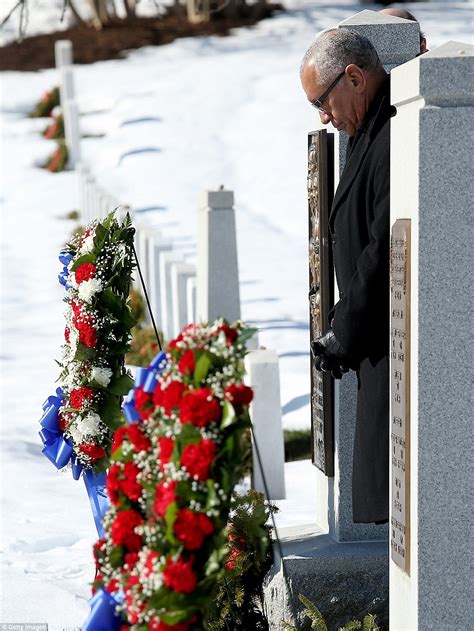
(174, 120)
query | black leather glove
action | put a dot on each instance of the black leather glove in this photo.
(329, 355)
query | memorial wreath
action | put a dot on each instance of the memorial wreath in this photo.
(171, 481)
(79, 422)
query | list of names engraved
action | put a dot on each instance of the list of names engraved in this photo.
(400, 392)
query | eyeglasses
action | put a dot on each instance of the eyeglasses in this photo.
(318, 103)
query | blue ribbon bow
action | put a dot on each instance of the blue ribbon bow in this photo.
(103, 615)
(56, 448)
(146, 379)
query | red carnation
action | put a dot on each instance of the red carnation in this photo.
(192, 528)
(179, 576)
(131, 559)
(86, 271)
(141, 398)
(165, 495)
(200, 408)
(166, 449)
(142, 402)
(119, 436)
(198, 458)
(138, 438)
(80, 396)
(123, 479)
(87, 335)
(239, 395)
(93, 451)
(170, 397)
(63, 420)
(67, 334)
(230, 333)
(133, 433)
(123, 530)
(174, 343)
(187, 363)
(158, 625)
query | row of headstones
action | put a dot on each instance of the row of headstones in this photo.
(181, 292)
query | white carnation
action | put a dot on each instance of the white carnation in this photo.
(88, 289)
(87, 245)
(75, 432)
(90, 424)
(101, 375)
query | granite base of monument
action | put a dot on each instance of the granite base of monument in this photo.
(344, 580)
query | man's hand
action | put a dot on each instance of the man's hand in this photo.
(329, 355)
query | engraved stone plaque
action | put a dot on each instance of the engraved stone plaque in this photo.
(321, 291)
(400, 391)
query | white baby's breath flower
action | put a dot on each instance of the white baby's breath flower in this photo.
(88, 289)
(87, 245)
(101, 375)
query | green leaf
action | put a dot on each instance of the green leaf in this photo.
(245, 335)
(228, 415)
(116, 557)
(111, 412)
(175, 617)
(170, 518)
(112, 302)
(86, 258)
(370, 623)
(84, 353)
(121, 386)
(201, 369)
(188, 434)
(313, 613)
(100, 236)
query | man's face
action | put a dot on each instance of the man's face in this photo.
(345, 106)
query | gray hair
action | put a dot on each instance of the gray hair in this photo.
(333, 50)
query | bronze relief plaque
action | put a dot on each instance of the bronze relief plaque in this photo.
(321, 292)
(400, 269)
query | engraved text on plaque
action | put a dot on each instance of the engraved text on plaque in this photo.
(400, 391)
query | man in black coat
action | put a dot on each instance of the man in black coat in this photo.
(344, 79)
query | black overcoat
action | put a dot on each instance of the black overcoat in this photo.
(360, 234)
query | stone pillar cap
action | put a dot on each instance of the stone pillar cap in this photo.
(396, 40)
(441, 77)
(220, 199)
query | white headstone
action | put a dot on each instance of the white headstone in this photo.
(167, 317)
(218, 292)
(263, 375)
(156, 245)
(191, 285)
(180, 273)
(72, 133)
(63, 53)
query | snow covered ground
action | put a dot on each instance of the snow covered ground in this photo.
(192, 115)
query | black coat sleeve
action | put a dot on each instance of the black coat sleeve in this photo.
(361, 317)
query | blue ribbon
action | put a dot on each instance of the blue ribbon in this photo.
(65, 258)
(56, 448)
(103, 615)
(76, 467)
(145, 378)
(95, 486)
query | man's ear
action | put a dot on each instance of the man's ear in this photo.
(356, 77)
